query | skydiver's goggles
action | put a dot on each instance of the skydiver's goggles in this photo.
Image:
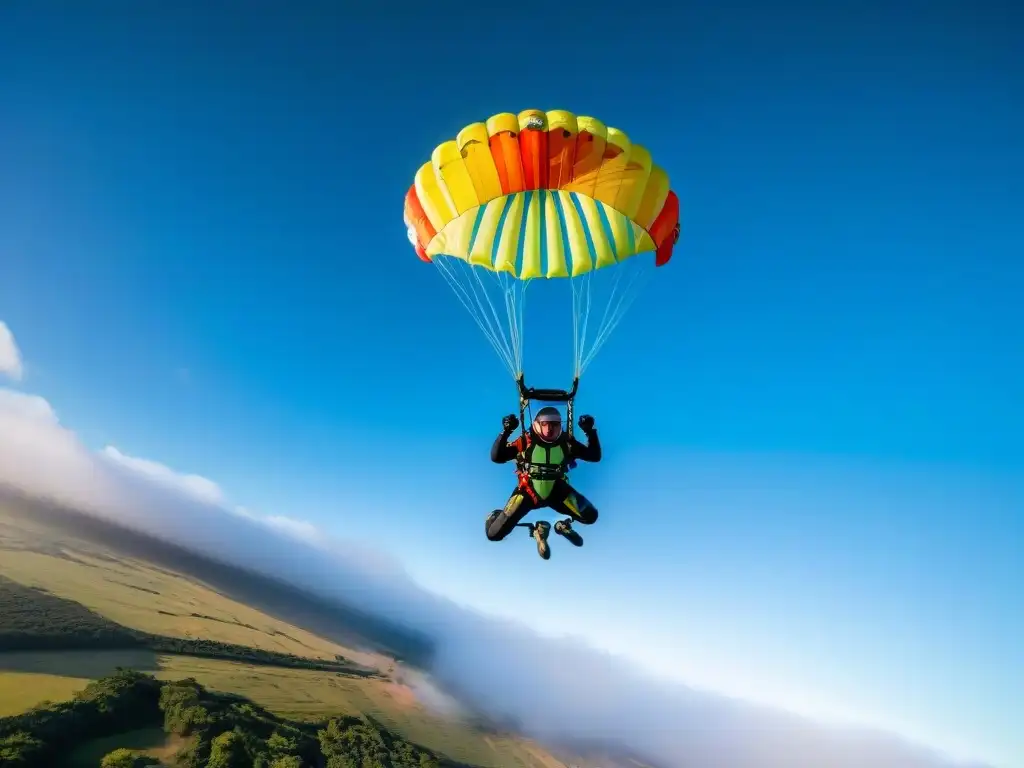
(548, 418)
(554, 419)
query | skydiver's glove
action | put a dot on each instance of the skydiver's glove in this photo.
(587, 424)
(509, 423)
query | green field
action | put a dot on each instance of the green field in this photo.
(153, 599)
(21, 690)
(138, 595)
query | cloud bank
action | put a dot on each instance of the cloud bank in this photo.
(552, 689)
(10, 356)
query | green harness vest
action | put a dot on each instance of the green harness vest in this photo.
(545, 464)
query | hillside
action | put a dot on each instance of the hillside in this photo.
(35, 620)
(47, 528)
(155, 617)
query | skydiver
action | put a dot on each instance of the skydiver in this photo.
(548, 454)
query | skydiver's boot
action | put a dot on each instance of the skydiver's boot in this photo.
(564, 528)
(540, 532)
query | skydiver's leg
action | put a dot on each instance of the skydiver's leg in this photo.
(501, 522)
(568, 501)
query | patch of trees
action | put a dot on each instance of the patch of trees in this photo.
(126, 758)
(213, 649)
(219, 731)
(34, 620)
(122, 702)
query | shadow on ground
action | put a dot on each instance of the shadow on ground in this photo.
(88, 665)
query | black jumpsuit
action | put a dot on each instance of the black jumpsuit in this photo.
(563, 498)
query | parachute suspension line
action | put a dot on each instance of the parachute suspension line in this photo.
(515, 302)
(624, 291)
(588, 355)
(509, 356)
(588, 282)
(613, 316)
(507, 335)
(575, 331)
(519, 313)
(581, 303)
(576, 340)
(521, 322)
(470, 299)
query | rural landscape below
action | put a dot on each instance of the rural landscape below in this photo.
(121, 650)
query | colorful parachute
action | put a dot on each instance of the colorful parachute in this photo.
(540, 195)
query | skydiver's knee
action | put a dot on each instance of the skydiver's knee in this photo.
(495, 533)
(588, 515)
(493, 528)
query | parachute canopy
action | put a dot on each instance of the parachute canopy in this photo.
(538, 195)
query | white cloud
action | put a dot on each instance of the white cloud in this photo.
(196, 486)
(38, 455)
(302, 530)
(10, 356)
(555, 688)
(33, 409)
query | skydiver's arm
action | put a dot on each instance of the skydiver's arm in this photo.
(503, 451)
(591, 451)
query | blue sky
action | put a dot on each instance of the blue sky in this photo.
(812, 492)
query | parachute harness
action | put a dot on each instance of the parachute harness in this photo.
(526, 396)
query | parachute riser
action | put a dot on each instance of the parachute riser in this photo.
(528, 394)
